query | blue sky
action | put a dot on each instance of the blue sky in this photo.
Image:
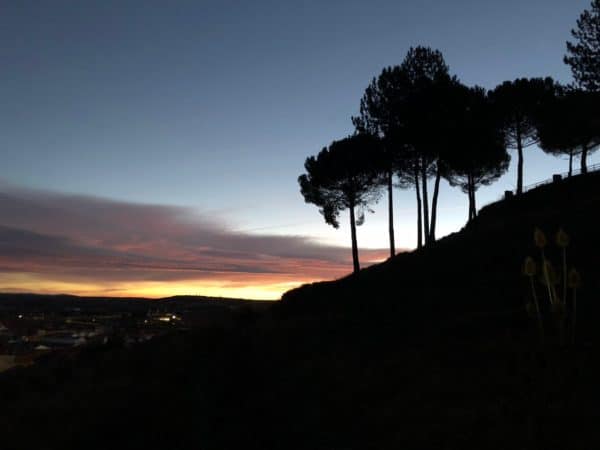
(214, 105)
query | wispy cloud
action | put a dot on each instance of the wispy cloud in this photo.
(69, 240)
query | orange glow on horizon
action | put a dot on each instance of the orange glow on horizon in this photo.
(56, 243)
(27, 277)
(251, 287)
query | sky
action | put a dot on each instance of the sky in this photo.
(153, 148)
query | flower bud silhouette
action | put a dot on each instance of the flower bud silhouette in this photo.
(574, 279)
(539, 238)
(551, 277)
(529, 267)
(562, 238)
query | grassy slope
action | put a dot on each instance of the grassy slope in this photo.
(429, 350)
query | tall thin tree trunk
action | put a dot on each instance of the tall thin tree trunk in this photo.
(474, 200)
(519, 162)
(434, 201)
(419, 217)
(355, 262)
(584, 153)
(470, 194)
(470, 199)
(425, 202)
(390, 186)
(570, 163)
(472, 203)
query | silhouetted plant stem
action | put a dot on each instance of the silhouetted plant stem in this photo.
(546, 277)
(434, 202)
(559, 314)
(390, 187)
(537, 310)
(574, 283)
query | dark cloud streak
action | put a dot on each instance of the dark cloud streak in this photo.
(106, 240)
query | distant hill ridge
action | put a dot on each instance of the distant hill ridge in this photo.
(121, 303)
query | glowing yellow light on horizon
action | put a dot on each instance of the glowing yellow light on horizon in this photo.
(255, 288)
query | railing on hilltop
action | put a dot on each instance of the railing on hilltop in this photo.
(560, 176)
(593, 168)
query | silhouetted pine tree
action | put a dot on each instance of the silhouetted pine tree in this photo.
(380, 116)
(343, 176)
(385, 111)
(583, 55)
(517, 103)
(557, 129)
(424, 68)
(431, 111)
(477, 153)
(570, 125)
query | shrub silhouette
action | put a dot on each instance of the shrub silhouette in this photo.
(546, 274)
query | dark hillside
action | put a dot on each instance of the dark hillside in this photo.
(477, 270)
(431, 350)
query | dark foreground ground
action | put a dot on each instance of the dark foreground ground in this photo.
(431, 350)
(318, 384)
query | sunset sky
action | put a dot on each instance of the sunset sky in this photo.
(153, 148)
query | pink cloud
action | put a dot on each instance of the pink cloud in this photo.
(74, 237)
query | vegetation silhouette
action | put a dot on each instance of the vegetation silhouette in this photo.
(518, 104)
(430, 349)
(343, 176)
(562, 305)
(429, 125)
(569, 124)
(478, 154)
(477, 267)
(557, 130)
(438, 338)
(583, 54)
(387, 111)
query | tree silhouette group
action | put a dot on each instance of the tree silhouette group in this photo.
(418, 123)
